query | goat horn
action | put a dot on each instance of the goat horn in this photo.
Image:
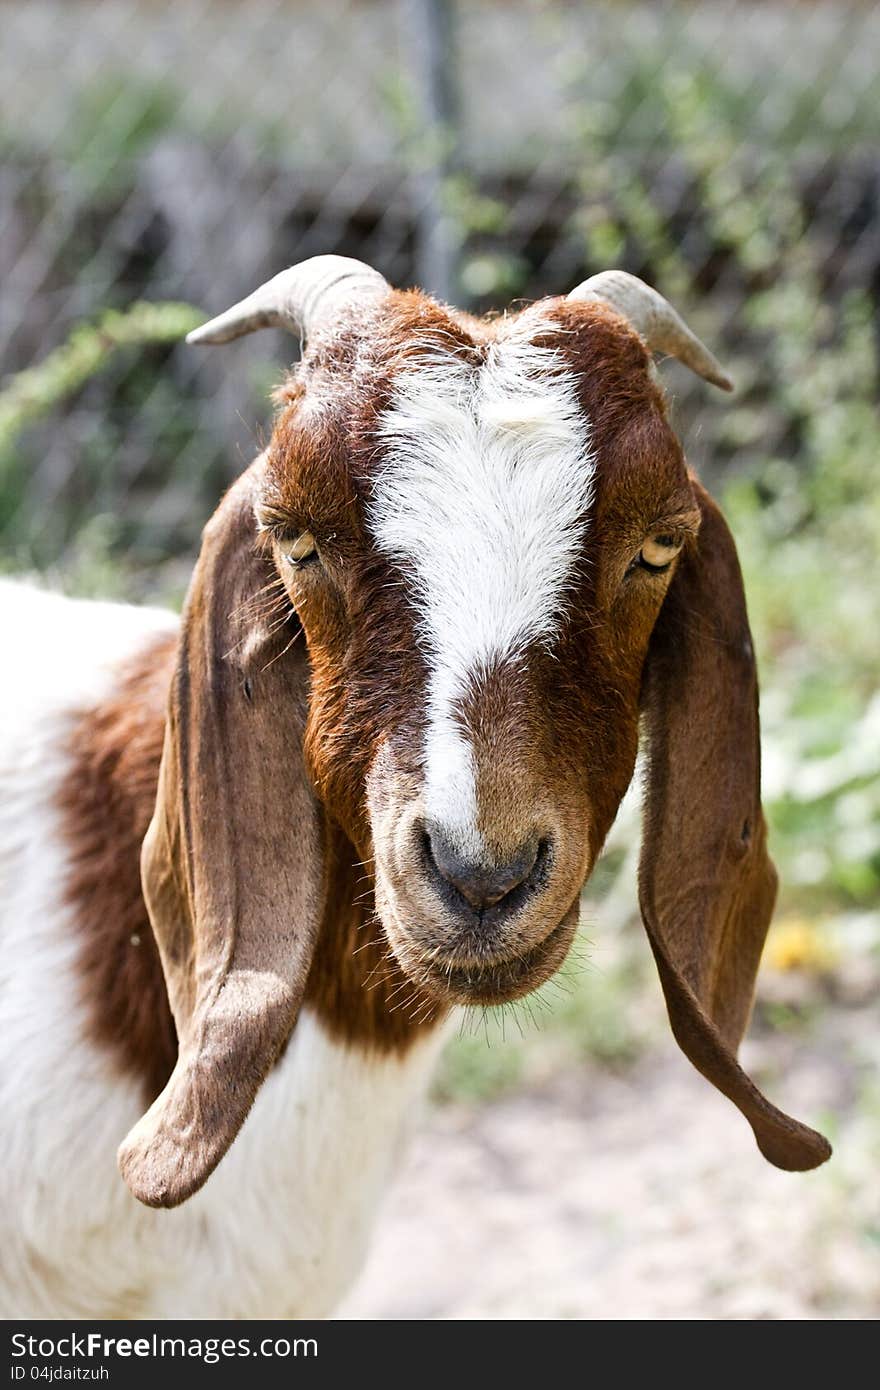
(297, 299)
(663, 329)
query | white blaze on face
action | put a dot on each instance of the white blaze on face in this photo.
(481, 498)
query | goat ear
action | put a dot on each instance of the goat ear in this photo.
(706, 883)
(231, 863)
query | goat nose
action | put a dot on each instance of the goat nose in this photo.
(482, 886)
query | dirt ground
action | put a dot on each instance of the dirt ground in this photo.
(641, 1195)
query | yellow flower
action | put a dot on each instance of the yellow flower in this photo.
(796, 943)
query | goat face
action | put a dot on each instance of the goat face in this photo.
(477, 526)
(489, 537)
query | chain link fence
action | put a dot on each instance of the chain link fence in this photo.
(728, 152)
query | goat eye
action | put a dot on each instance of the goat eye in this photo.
(658, 552)
(301, 550)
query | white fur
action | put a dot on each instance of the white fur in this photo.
(279, 1230)
(482, 498)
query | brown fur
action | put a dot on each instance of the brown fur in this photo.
(355, 985)
(106, 802)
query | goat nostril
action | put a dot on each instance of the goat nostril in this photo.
(482, 885)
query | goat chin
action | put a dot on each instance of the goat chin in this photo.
(488, 978)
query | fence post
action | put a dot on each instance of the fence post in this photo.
(431, 26)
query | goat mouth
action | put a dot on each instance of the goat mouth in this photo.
(492, 981)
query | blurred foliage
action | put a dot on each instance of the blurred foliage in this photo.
(117, 118)
(80, 544)
(33, 393)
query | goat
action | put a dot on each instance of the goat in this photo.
(254, 861)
